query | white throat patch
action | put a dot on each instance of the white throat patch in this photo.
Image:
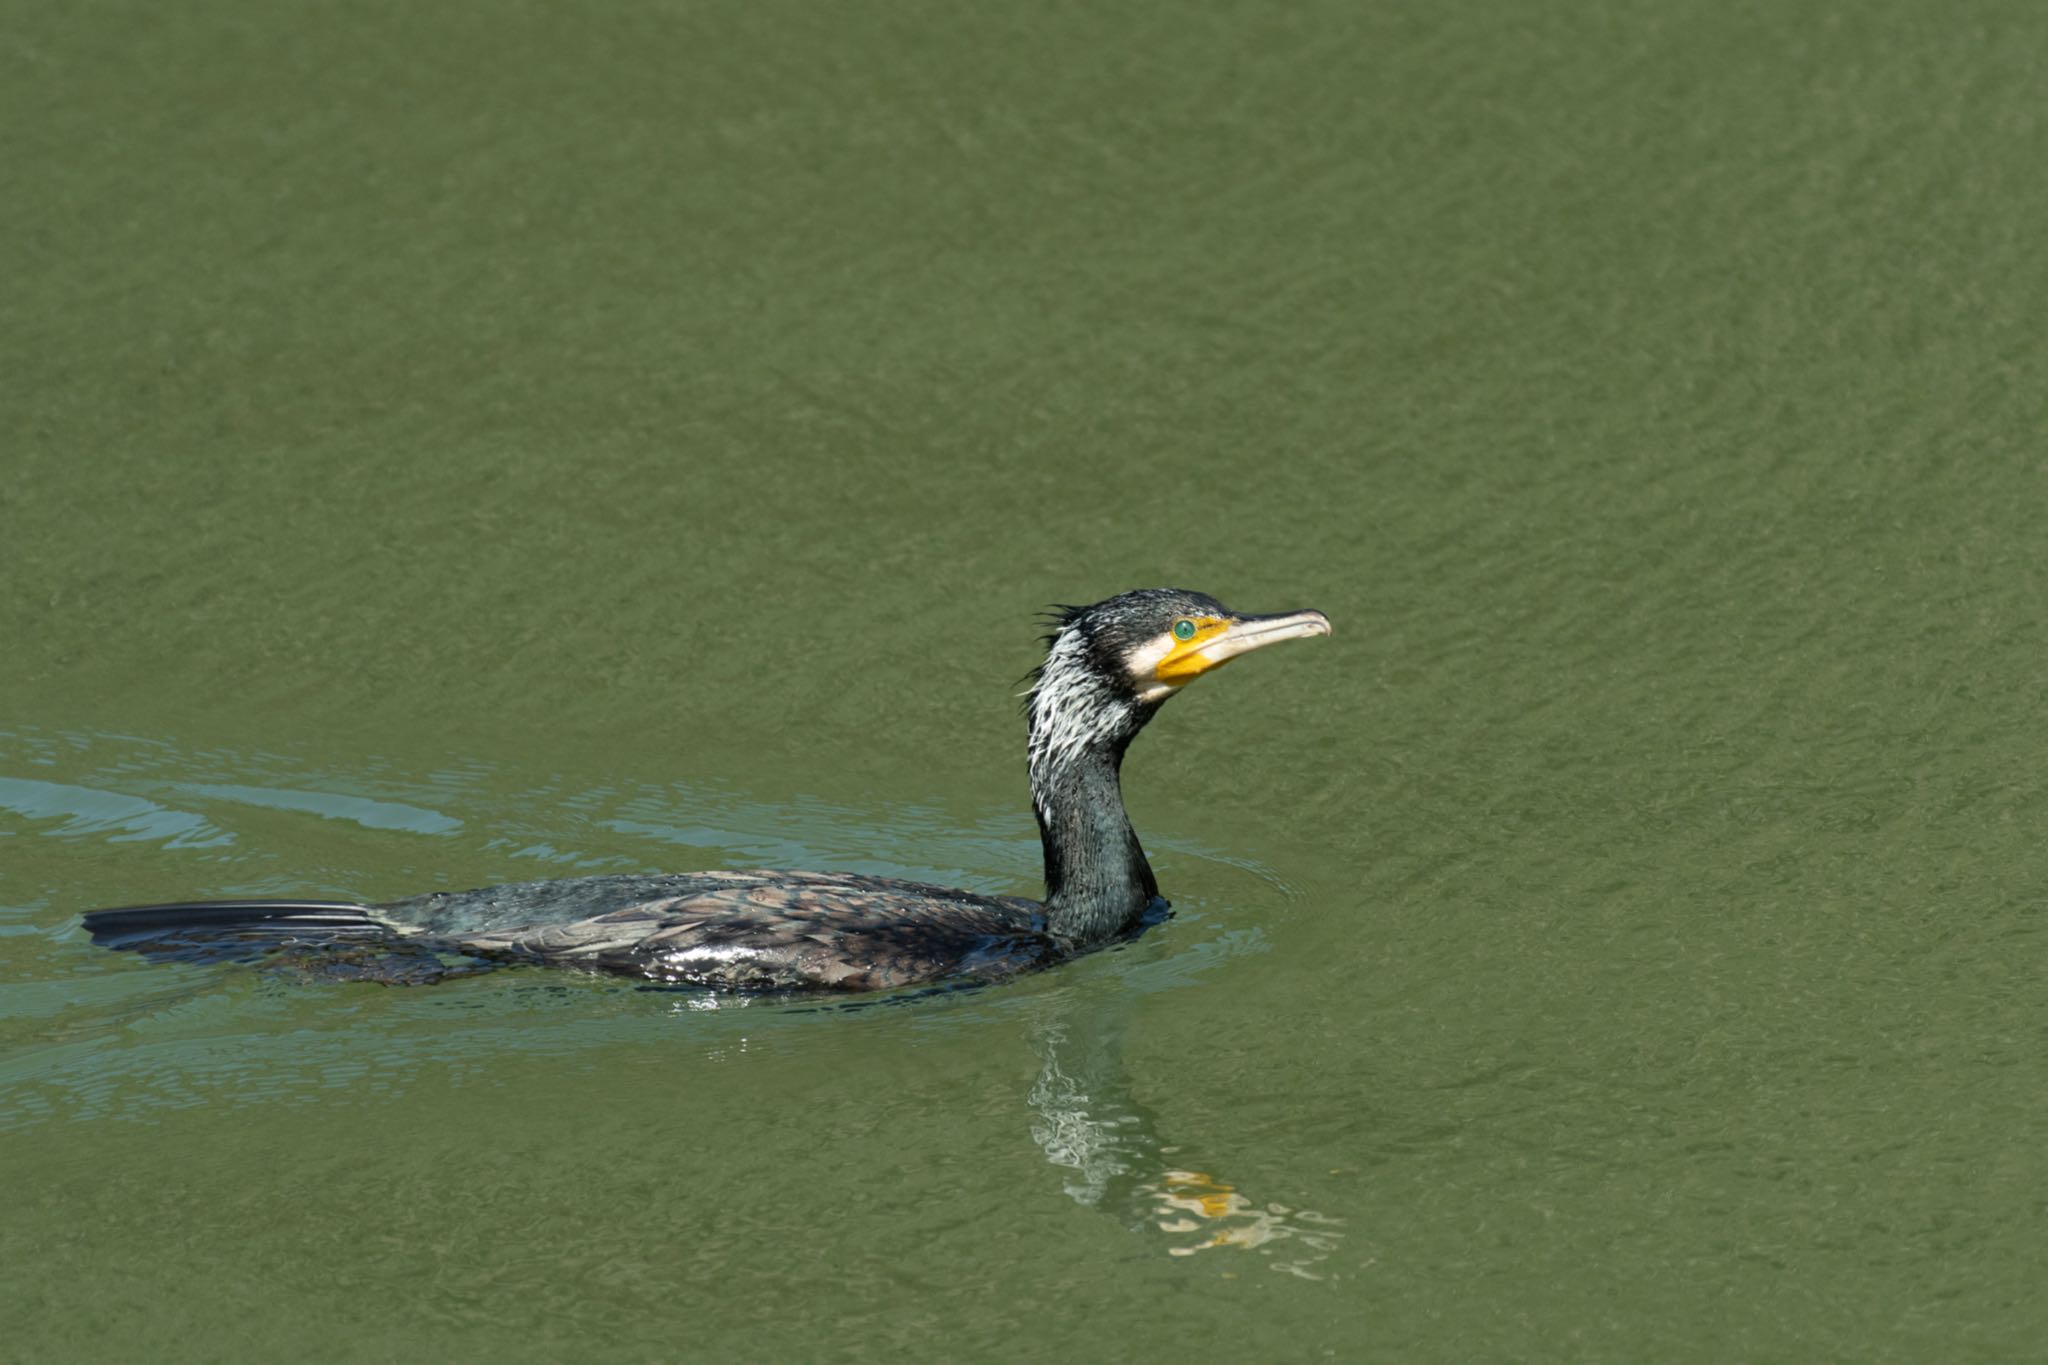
(1143, 664)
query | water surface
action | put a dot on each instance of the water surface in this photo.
(442, 446)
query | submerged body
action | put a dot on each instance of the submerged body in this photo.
(744, 930)
(1108, 669)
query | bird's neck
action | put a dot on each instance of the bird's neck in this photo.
(1097, 882)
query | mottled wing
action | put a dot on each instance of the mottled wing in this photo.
(531, 905)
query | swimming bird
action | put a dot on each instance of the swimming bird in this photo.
(1108, 669)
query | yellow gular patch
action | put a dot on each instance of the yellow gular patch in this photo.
(1184, 661)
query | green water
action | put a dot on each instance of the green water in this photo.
(445, 444)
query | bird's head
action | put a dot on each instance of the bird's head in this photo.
(1109, 666)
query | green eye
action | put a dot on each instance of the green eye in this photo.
(1183, 629)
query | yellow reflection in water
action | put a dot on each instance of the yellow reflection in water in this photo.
(1197, 1202)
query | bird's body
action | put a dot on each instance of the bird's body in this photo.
(1108, 669)
(765, 930)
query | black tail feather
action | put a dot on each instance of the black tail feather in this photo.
(109, 926)
(230, 931)
(317, 940)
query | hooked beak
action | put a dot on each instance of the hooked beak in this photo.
(1239, 635)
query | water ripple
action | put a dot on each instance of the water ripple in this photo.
(118, 815)
(392, 815)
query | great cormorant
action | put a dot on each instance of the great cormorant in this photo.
(1108, 668)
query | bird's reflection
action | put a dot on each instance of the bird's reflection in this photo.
(1114, 1159)
(1107, 1147)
